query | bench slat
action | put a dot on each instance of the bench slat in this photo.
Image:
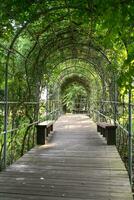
(46, 123)
(104, 124)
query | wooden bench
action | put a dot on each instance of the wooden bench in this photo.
(43, 130)
(108, 131)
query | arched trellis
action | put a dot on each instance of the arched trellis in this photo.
(50, 54)
(74, 69)
(84, 60)
(68, 71)
(46, 29)
(53, 9)
(88, 71)
(69, 80)
(26, 60)
(27, 26)
(75, 78)
(80, 47)
(85, 73)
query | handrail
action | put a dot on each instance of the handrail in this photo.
(114, 102)
(25, 134)
(102, 114)
(122, 138)
(15, 129)
(122, 127)
(119, 125)
(27, 102)
(26, 124)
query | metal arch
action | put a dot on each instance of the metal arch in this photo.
(75, 74)
(58, 82)
(81, 83)
(93, 47)
(70, 73)
(98, 49)
(77, 44)
(84, 49)
(88, 59)
(78, 58)
(76, 67)
(86, 54)
(26, 58)
(50, 26)
(72, 58)
(10, 49)
(18, 52)
(18, 34)
(66, 69)
(75, 78)
(37, 18)
(49, 10)
(6, 94)
(66, 76)
(86, 70)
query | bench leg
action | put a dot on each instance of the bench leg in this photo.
(47, 131)
(111, 136)
(104, 132)
(41, 135)
(51, 128)
(98, 128)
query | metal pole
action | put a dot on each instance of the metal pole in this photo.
(5, 116)
(130, 137)
(60, 110)
(115, 99)
(47, 104)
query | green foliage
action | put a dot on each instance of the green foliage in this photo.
(72, 96)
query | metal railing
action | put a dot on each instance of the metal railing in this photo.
(122, 136)
(22, 138)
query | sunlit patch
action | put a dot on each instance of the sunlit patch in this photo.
(20, 167)
(84, 122)
(48, 145)
(41, 178)
(20, 179)
(74, 126)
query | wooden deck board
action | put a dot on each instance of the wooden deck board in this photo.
(75, 165)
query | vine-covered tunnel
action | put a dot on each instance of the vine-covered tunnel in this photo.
(65, 56)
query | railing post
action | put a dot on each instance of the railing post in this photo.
(47, 103)
(115, 98)
(130, 137)
(5, 115)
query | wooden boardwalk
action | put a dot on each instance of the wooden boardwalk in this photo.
(76, 164)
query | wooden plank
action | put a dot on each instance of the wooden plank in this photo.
(76, 164)
(46, 123)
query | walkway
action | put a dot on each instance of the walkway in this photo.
(75, 165)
